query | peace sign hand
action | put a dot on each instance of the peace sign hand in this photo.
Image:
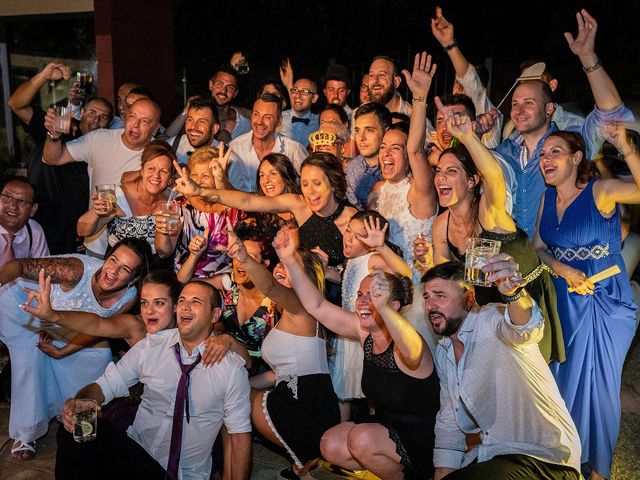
(184, 184)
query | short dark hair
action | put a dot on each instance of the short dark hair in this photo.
(271, 98)
(229, 70)
(200, 103)
(452, 270)
(401, 126)
(105, 103)
(344, 118)
(144, 91)
(460, 99)
(277, 84)
(23, 181)
(167, 278)
(381, 112)
(545, 89)
(216, 299)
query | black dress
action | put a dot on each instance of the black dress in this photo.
(539, 286)
(322, 232)
(405, 405)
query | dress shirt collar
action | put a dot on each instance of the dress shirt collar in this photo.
(176, 339)
(468, 326)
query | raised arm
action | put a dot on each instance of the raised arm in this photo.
(261, 276)
(610, 192)
(604, 91)
(124, 325)
(386, 259)
(443, 31)
(331, 316)
(249, 202)
(419, 81)
(20, 101)
(407, 340)
(494, 214)
(286, 76)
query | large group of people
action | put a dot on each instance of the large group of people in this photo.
(300, 274)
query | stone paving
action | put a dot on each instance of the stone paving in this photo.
(267, 463)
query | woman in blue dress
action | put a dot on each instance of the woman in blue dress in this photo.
(579, 235)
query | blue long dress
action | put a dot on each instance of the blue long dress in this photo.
(597, 328)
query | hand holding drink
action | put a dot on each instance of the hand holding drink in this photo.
(80, 417)
(168, 220)
(104, 202)
(478, 253)
(62, 122)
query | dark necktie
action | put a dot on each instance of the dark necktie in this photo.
(182, 405)
(301, 120)
(8, 254)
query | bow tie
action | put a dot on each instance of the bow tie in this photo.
(299, 119)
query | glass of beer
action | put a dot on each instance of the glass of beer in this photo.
(62, 123)
(107, 193)
(479, 251)
(85, 420)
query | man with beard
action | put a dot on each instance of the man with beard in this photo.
(336, 87)
(384, 80)
(201, 126)
(371, 121)
(249, 149)
(63, 192)
(501, 414)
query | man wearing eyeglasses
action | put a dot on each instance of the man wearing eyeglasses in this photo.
(299, 122)
(20, 236)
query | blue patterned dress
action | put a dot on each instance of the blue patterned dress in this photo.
(597, 328)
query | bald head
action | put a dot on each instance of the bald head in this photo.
(143, 120)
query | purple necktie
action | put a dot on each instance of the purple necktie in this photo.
(182, 404)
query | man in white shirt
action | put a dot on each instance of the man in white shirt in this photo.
(17, 206)
(249, 149)
(217, 395)
(299, 121)
(501, 414)
(201, 126)
(107, 153)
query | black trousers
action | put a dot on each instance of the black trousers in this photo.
(514, 467)
(113, 454)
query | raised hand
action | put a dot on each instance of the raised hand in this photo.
(504, 272)
(380, 290)
(419, 81)
(583, 44)
(286, 73)
(235, 247)
(57, 71)
(616, 134)
(198, 244)
(324, 257)
(423, 250)
(219, 165)
(184, 184)
(285, 242)
(458, 124)
(375, 237)
(442, 29)
(42, 297)
(486, 121)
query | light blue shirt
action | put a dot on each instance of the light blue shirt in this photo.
(298, 131)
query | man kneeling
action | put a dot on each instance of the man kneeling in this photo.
(163, 440)
(501, 414)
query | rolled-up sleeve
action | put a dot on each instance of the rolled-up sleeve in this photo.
(117, 378)
(529, 333)
(591, 130)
